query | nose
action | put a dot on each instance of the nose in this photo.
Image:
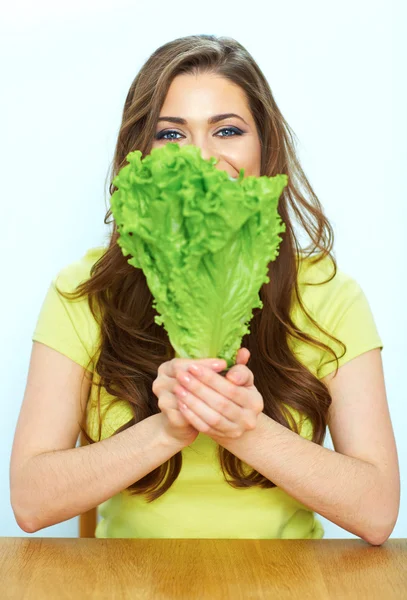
(207, 152)
(222, 165)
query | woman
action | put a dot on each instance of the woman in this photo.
(179, 453)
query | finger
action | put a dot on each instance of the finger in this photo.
(168, 403)
(192, 418)
(242, 357)
(240, 375)
(169, 367)
(163, 383)
(203, 417)
(214, 406)
(211, 387)
(167, 383)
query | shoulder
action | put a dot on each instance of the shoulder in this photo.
(78, 271)
(77, 309)
(67, 324)
(340, 306)
(322, 290)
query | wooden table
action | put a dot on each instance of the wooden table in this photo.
(54, 568)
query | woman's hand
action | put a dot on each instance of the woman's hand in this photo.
(176, 424)
(221, 407)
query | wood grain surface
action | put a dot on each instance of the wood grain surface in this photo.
(62, 568)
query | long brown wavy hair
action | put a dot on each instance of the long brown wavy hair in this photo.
(131, 345)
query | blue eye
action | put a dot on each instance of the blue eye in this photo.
(162, 134)
(234, 129)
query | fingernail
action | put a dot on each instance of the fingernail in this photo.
(236, 377)
(218, 364)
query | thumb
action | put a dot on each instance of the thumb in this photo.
(242, 357)
(240, 375)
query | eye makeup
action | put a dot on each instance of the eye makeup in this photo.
(236, 130)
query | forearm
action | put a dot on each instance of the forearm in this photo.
(345, 490)
(56, 486)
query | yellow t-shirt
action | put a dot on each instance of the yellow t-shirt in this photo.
(200, 504)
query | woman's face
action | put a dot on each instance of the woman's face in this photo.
(191, 101)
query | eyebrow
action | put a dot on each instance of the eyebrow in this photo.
(211, 120)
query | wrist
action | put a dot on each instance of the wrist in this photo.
(166, 438)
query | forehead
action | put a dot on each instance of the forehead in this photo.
(204, 93)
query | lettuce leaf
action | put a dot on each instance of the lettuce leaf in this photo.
(203, 241)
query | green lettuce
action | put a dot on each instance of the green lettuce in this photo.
(203, 240)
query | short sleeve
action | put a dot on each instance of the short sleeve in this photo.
(351, 321)
(66, 326)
